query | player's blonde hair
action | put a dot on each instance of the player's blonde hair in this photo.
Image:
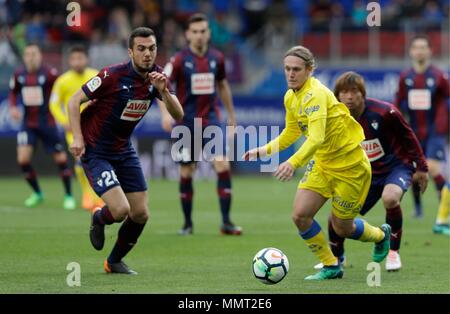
(303, 53)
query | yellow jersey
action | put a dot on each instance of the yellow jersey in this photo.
(64, 87)
(330, 131)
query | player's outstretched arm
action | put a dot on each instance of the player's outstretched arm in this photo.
(166, 119)
(227, 100)
(173, 106)
(77, 148)
(255, 153)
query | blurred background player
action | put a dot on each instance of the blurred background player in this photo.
(394, 154)
(197, 71)
(65, 86)
(122, 95)
(338, 167)
(31, 86)
(423, 94)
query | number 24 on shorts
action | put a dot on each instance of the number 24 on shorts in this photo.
(108, 178)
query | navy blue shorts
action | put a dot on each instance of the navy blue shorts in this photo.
(50, 137)
(434, 147)
(401, 176)
(122, 170)
(211, 142)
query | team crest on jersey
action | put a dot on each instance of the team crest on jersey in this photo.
(21, 79)
(189, 65)
(135, 110)
(409, 82)
(41, 79)
(307, 97)
(212, 64)
(430, 82)
(94, 83)
(374, 124)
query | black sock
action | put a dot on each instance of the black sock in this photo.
(129, 233)
(417, 198)
(186, 194)
(439, 182)
(103, 216)
(336, 242)
(394, 218)
(224, 192)
(31, 177)
(66, 174)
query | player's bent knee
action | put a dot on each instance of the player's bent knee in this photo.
(120, 211)
(303, 222)
(60, 157)
(140, 217)
(390, 201)
(391, 198)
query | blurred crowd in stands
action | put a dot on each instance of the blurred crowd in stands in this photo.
(105, 24)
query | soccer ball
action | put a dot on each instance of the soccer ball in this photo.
(270, 266)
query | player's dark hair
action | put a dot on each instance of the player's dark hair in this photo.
(421, 37)
(78, 48)
(348, 81)
(197, 17)
(140, 32)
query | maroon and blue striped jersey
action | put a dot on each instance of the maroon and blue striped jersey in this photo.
(424, 98)
(196, 79)
(121, 97)
(32, 91)
(390, 141)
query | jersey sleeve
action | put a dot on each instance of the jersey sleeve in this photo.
(14, 90)
(52, 76)
(399, 128)
(288, 136)
(400, 95)
(56, 106)
(442, 105)
(316, 112)
(173, 68)
(221, 73)
(99, 84)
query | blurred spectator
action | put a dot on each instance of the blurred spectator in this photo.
(432, 13)
(254, 14)
(7, 54)
(35, 30)
(412, 9)
(119, 26)
(320, 13)
(359, 14)
(391, 14)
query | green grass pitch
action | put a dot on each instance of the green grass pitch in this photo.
(37, 244)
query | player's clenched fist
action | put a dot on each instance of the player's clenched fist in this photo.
(159, 80)
(77, 148)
